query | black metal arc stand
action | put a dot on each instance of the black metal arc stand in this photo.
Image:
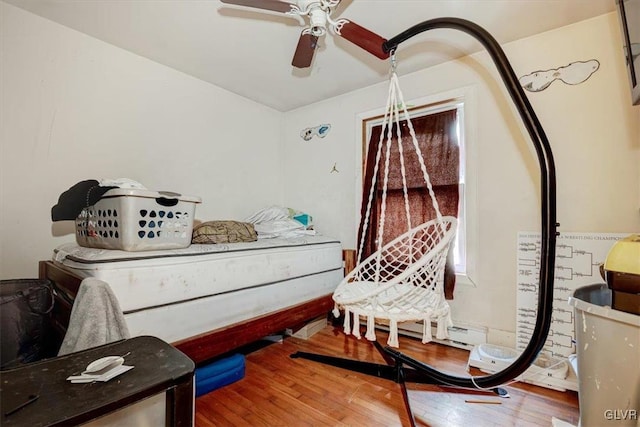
(394, 370)
(395, 359)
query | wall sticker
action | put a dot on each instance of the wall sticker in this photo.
(572, 74)
(320, 130)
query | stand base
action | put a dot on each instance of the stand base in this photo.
(394, 370)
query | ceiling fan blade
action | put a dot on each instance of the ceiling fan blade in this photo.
(367, 40)
(307, 44)
(275, 5)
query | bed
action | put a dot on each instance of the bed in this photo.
(206, 299)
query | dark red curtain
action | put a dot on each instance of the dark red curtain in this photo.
(437, 139)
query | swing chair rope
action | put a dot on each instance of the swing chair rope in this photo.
(414, 138)
(403, 169)
(394, 99)
(383, 208)
(365, 226)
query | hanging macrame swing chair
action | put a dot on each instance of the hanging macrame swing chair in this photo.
(379, 286)
(403, 280)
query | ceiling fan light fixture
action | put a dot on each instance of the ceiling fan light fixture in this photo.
(318, 31)
(306, 6)
(318, 21)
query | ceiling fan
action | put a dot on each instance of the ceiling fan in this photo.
(319, 14)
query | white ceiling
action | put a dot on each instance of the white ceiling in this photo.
(249, 52)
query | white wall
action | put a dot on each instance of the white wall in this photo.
(592, 127)
(75, 108)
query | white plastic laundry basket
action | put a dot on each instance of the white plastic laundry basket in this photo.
(137, 220)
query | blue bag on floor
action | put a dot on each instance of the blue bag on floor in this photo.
(219, 374)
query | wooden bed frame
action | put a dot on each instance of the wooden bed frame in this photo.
(207, 345)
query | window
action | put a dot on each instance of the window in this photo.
(456, 106)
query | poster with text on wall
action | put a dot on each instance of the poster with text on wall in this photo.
(578, 260)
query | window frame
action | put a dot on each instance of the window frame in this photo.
(463, 100)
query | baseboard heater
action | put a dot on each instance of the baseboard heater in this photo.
(460, 336)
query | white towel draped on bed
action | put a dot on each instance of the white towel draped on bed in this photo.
(96, 318)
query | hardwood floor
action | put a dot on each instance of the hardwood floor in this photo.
(280, 391)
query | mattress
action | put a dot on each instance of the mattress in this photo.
(177, 293)
(175, 322)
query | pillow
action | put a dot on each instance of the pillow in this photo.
(224, 232)
(278, 228)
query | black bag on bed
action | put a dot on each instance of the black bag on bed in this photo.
(26, 335)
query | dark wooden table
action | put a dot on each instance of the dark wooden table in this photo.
(158, 368)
